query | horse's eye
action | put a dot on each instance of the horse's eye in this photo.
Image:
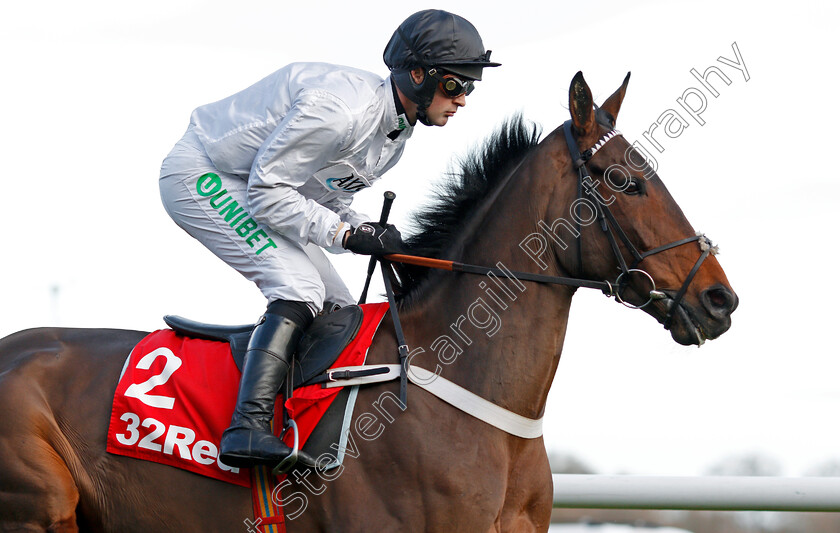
(635, 187)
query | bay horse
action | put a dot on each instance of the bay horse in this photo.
(426, 466)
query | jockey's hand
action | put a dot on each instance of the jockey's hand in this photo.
(372, 238)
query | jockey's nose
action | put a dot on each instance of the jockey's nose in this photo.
(719, 301)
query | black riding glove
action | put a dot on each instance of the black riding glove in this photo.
(371, 238)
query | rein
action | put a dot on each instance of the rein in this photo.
(454, 266)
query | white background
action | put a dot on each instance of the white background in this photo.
(95, 93)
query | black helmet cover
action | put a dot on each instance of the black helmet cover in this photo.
(434, 39)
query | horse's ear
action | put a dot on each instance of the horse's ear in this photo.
(580, 104)
(613, 103)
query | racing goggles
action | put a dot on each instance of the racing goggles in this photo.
(451, 85)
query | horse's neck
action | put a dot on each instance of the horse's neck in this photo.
(511, 333)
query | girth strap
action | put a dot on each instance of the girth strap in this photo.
(455, 395)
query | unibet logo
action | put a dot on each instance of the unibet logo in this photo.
(210, 186)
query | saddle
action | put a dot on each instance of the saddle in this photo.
(317, 350)
(322, 343)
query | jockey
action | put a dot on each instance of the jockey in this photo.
(265, 177)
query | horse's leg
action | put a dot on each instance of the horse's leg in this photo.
(528, 498)
(37, 492)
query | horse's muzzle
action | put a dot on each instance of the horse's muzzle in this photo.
(695, 325)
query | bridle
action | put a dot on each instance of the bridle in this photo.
(610, 227)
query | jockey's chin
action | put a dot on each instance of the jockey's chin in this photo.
(443, 108)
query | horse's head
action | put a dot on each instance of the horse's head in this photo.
(632, 232)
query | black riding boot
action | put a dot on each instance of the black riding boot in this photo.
(249, 440)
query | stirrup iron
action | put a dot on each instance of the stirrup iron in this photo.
(286, 464)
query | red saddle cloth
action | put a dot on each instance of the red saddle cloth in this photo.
(176, 395)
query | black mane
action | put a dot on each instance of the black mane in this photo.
(480, 172)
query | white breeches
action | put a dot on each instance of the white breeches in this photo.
(212, 206)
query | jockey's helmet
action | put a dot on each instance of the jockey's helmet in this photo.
(435, 41)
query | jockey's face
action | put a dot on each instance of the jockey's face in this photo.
(443, 107)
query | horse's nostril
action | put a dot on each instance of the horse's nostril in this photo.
(717, 298)
(719, 301)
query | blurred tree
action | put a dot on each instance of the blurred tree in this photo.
(566, 463)
(747, 464)
(830, 468)
(752, 464)
(817, 522)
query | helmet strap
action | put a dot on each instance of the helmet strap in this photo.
(422, 116)
(426, 91)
